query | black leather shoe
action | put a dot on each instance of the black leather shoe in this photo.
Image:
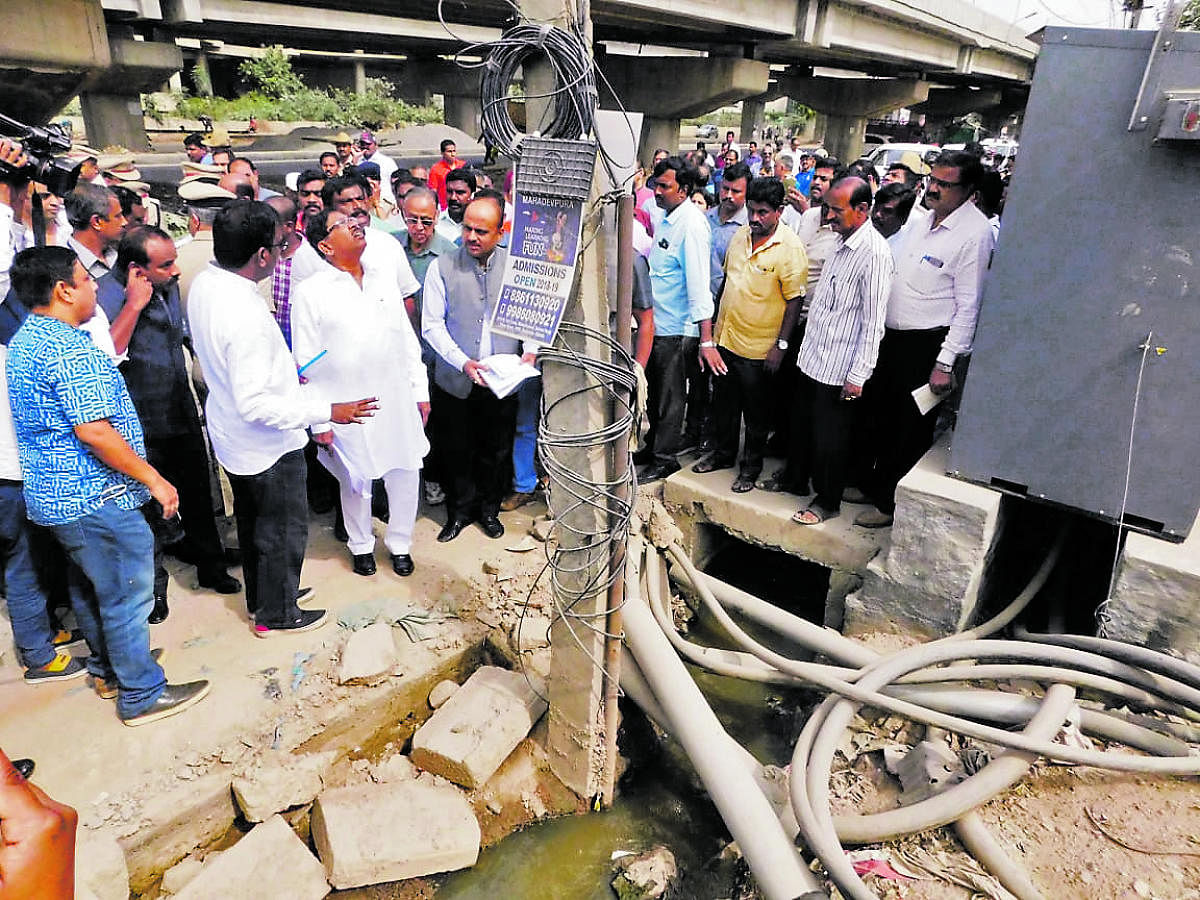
(220, 581)
(402, 564)
(159, 614)
(491, 526)
(655, 471)
(452, 529)
(24, 766)
(175, 698)
(364, 563)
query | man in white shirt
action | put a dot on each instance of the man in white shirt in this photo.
(931, 317)
(473, 427)
(840, 346)
(371, 153)
(352, 320)
(257, 413)
(350, 194)
(460, 188)
(890, 212)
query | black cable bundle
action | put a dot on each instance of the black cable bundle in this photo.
(574, 94)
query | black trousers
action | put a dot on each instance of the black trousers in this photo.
(783, 393)
(272, 525)
(744, 391)
(895, 435)
(666, 377)
(474, 441)
(183, 460)
(821, 445)
(698, 425)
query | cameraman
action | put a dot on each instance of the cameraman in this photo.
(14, 197)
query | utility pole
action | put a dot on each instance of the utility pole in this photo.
(576, 683)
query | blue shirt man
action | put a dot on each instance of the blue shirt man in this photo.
(85, 476)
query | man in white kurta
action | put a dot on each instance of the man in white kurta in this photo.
(350, 331)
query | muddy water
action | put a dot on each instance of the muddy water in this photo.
(660, 799)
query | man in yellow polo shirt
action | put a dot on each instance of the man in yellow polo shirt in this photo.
(766, 270)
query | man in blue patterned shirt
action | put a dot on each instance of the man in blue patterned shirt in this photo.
(86, 478)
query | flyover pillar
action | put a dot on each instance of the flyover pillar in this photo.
(753, 116)
(360, 75)
(462, 111)
(848, 102)
(698, 86)
(113, 117)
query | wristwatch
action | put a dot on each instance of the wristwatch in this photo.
(781, 344)
(706, 344)
(943, 367)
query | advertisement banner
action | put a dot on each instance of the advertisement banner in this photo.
(542, 255)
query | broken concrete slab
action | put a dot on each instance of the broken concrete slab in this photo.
(471, 735)
(442, 691)
(100, 865)
(394, 768)
(280, 781)
(532, 632)
(368, 655)
(430, 828)
(541, 528)
(176, 878)
(1154, 599)
(269, 863)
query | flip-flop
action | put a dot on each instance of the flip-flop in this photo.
(710, 465)
(742, 485)
(818, 515)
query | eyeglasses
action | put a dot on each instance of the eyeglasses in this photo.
(938, 182)
(419, 220)
(350, 225)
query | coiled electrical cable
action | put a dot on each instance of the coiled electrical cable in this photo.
(574, 93)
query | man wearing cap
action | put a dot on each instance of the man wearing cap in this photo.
(371, 153)
(443, 167)
(204, 197)
(343, 145)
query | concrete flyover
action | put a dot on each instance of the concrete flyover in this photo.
(118, 48)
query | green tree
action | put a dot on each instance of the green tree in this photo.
(271, 74)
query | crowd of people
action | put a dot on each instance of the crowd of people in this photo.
(320, 346)
(807, 301)
(326, 345)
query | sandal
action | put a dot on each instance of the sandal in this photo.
(710, 464)
(742, 485)
(812, 515)
(779, 484)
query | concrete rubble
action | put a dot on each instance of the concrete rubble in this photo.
(442, 692)
(430, 828)
(645, 876)
(279, 781)
(100, 865)
(176, 878)
(532, 632)
(368, 655)
(394, 768)
(269, 863)
(468, 738)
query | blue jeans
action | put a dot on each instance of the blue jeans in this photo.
(23, 593)
(529, 401)
(112, 593)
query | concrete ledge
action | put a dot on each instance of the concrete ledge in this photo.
(1154, 601)
(765, 519)
(943, 538)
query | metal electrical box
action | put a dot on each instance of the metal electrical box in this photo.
(1099, 249)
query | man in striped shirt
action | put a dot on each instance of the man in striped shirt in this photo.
(839, 350)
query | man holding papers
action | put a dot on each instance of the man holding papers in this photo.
(351, 333)
(474, 425)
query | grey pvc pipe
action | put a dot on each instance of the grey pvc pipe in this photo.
(946, 806)
(925, 655)
(772, 857)
(1179, 669)
(980, 843)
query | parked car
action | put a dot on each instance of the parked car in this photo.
(706, 132)
(890, 154)
(872, 140)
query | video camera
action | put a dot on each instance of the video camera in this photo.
(42, 146)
